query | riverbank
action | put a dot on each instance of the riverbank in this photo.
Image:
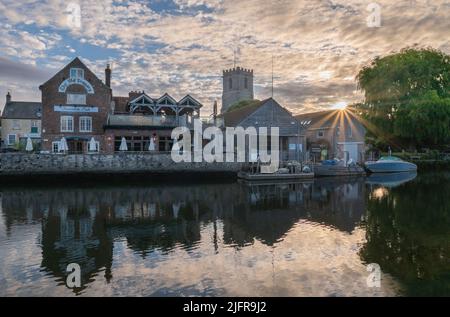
(23, 164)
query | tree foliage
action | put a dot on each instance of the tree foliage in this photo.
(407, 97)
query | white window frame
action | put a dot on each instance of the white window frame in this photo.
(74, 101)
(81, 126)
(61, 123)
(78, 73)
(57, 147)
(15, 139)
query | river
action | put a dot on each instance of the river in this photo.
(227, 238)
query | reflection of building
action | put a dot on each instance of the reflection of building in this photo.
(334, 133)
(81, 225)
(20, 120)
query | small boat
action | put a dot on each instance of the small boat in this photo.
(338, 168)
(292, 171)
(390, 164)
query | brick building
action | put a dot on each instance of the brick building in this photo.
(78, 106)
(75, 105)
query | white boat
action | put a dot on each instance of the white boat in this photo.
(390, 164)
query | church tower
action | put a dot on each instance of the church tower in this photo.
(237, 86)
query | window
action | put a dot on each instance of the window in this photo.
(55, 147)
(85, 124)
(320, 134)
(34, 127)
(230, 83)
(66, 124)
(76, 73)
(16, 125)
(76, 99)
(246, 83)
(11, 139)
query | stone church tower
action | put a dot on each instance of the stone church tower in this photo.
(237, 86)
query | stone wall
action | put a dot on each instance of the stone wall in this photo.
(49, 164)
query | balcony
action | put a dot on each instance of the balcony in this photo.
(136, 121)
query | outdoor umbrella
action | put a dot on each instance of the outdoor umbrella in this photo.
(123, 145)
(152, 145)
(63, 145)
(92, 145)
(29, 146)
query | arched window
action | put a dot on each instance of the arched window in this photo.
(230, 83)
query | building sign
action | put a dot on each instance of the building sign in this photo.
(83, 109)
(76, 81)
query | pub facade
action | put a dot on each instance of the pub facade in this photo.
(80, 108)
(75, 106)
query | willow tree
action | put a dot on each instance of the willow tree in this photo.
(407, 97)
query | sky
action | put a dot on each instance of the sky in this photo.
(182, 46)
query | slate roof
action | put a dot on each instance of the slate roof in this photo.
(320, 119)
(22, 110)
(234, 117)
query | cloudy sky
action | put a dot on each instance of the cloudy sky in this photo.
(181, 46)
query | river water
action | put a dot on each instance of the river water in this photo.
(228, 238)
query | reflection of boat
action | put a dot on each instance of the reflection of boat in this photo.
(390, 164)
(274, 176)
(391, 179)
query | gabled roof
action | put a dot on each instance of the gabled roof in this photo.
(190, 98)
(234, 117)
(22, 110)
(76, 62)
(145, 96)
(168, 97)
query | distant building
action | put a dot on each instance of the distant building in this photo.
(75, 105)
(334, 134)
(20, 120)
(237, 86)
(269, 113)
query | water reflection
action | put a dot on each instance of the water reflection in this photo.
(204, 239)
(408, 234)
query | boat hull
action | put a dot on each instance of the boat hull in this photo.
(335, 170)
(391, 167)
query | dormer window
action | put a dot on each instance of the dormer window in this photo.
(76, 73)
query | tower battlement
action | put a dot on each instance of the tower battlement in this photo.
(237, 86)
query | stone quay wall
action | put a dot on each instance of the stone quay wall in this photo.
(122, 163)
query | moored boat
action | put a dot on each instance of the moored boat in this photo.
(390, 164)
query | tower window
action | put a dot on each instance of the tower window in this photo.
(246, 83)
(230, 83)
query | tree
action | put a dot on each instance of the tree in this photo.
(405, 92)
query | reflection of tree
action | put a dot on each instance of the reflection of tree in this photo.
(408, 234)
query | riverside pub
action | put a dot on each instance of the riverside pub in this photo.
(80, 108)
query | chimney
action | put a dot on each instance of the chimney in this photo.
(108, 76)
(8, 97)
